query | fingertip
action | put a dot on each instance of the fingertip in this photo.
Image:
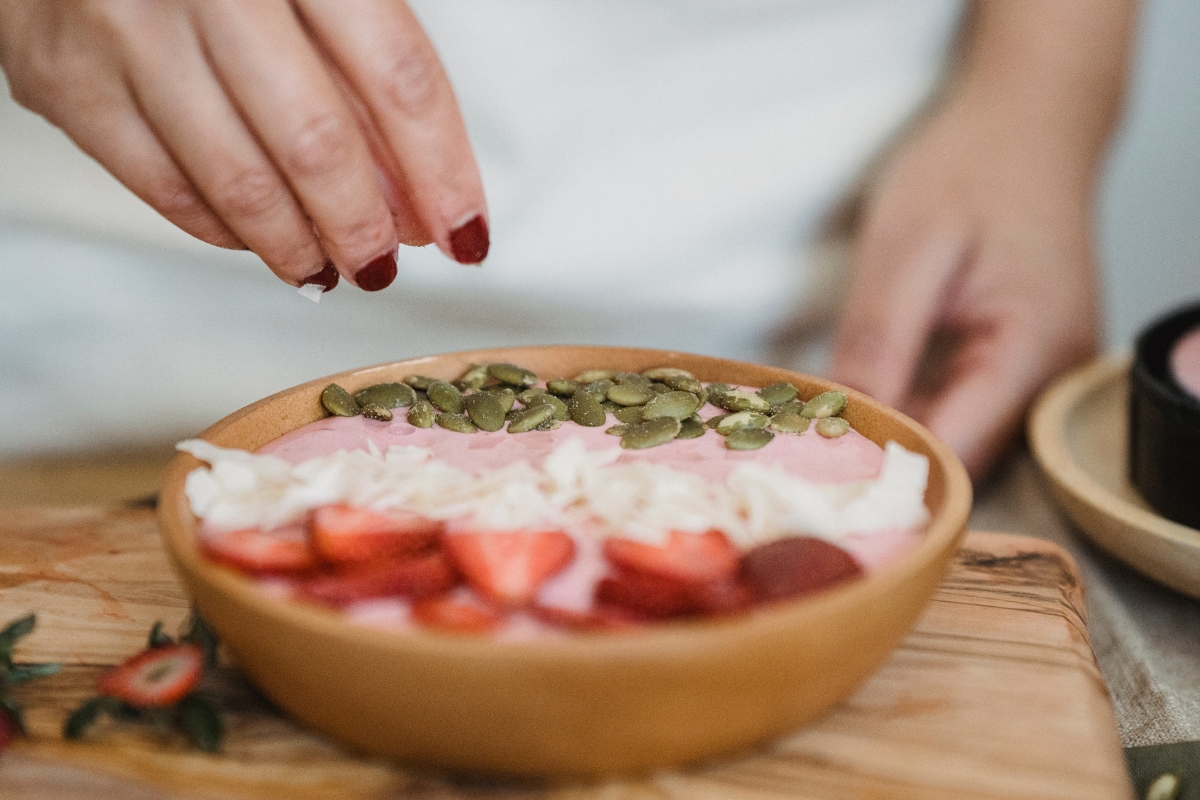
(470, 239)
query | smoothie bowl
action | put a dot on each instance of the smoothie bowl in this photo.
(598, 663)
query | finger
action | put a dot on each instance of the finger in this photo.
(901, 277)
(279, 84)
(218, 153)
(393, 67)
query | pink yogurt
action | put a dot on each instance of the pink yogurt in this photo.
(1185, 362)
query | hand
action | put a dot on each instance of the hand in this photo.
(975, 280)
(317, 133)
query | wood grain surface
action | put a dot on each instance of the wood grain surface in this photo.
(994, 694)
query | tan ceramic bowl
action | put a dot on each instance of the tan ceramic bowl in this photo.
(586, 704)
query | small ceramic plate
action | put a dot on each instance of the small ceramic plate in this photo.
(1079, 432)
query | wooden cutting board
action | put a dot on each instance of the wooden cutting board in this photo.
(995, 694)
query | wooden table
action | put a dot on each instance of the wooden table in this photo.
(994, 694)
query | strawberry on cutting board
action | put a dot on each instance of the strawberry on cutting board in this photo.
(343, 534)
(160, 676)
(414, 578)
(282, 551)
(691, 558)
(509, 567)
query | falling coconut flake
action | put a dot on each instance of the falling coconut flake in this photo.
(311, 291)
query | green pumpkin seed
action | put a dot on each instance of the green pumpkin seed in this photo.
(778, 393)
(691, 428)
(486, 410)
(748, 439)
(388, 395)
(549, 425)
(419, 396)
(337, 401)
(651, 433)
(742, 419)
(702, 396)
(586, 411)
(713, 422)
(419, 381)
(512, 374)
(456, 422)
(679, 405)
(630, 415)
(627, 394)
(719, 388)
(662, 373)
(511, 414)
(832, 427)
(826, 404)
(659, 388)
(507, 396)
(789, 423)
(445, 397)
(422, 414)
(599, 387)
(610, 407)
(474, 378)
(529, 394)
(529, 418)
(561, 413)
(790, 407)
(632, 379)
(593, 375)
(374, 411)
(741, 400)
(618, 430)
(562, 387)
(681, 383)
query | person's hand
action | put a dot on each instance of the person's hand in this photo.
(317, 133)
(975, 280)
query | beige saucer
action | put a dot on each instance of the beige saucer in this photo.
(1079, 433)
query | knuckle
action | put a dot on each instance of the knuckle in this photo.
(367, 235)
(321, 145)
(409, 81)
(175, 198)
(249, 192)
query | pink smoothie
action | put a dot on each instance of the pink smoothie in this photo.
(1185, 362)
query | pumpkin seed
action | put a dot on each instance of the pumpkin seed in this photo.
(375, 411)
(718, 388)
(632, 379)
(421, 414)
(832, 427)
(713, 422)
(748, 439)
(789, 423)
(593, 375)
(420, 396)
(511, 414)
(790, 407)
(742, 419)
(630, 415)
(445, 397)
(474, 378)
(419, 381)
(599, 387)
(1164, 787)
(507, 396)
(337, 401)
(681, 383)
(651, 433)
(512, 374)
(778, 393)
(702, 396)
(586, 411)
(690, 429)
(679, 405)
(562, 387)
(610, 407)
(627, 394)
(826, 404)
(530, 418)
(455, 422)
(388, 395)
(741, 400)
(549, 425)
(618, 430)
(561, 413)
(529, 394)
(659, 388)
(662, 373)
(486, 410)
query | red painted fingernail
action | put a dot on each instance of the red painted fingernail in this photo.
(327, 277)
(469, 241)
(378, 274)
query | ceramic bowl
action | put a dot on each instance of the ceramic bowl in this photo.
(584, 704)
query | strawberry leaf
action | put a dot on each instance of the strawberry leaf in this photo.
(29, 672)
(199, 633)
(201, 721)
(14, 631)
(158, 638)
(83, 717)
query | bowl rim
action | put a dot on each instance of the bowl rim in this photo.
(673, 637)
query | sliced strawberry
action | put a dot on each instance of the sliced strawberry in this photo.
(160, 676)
(455, 615)
(508, 567)
(796, 566)
(423, 576)
(282, 551)
(685, 557)
(654, 597)
(600, 618)
(343, 534)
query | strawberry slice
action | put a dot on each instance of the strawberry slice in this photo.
(423, 576)
(796, 566)
(653, 597)
(455, 615)
(282, 551)
(692, 558)
(343, 534)
(509, 567)
(600, 618)
(160, 676)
